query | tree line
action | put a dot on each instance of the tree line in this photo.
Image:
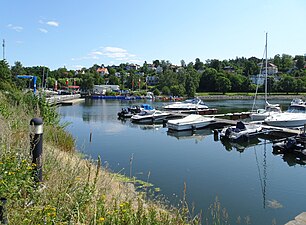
(213, 75)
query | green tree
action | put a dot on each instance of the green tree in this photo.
(113, 80)
(166, 90)
(190, 87)
(111, 71)
(215, 64)
(300, 84)
(208, 81)
(286, 62)
(87, 82)
(223, 84)
(5, 76)
(198, 65)
(5, 72)
(18, 69)
(183, 64)
(250, 68)
(300, 62)
(277, 61)
(177, 90)
(287, 84)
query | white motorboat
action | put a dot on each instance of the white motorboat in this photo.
(189, 104)
(240, 131)
(190, 122)
(270, 109)
(295, 116)
(297, 101)
(150, 116)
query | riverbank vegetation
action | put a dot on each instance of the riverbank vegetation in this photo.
(285, 74)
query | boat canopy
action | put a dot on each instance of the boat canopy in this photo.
(147, 107)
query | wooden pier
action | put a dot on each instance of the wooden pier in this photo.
(298, 220)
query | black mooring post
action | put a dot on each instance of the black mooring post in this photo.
(36, 147)
(3, 218)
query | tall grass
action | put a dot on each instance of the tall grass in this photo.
(74, 190)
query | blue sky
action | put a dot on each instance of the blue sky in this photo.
(81, 33)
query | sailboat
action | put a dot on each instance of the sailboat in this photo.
(269, 109)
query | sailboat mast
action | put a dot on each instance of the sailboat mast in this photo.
(266, 70)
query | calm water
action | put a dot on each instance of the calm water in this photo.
(249, 180)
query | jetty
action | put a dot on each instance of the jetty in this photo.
(64, 99)
(73, 101)
(298, 220)
(231, 119)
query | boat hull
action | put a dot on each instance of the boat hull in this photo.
(191, 122)
(234, 134)
(287, 120)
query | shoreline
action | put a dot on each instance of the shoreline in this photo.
(246, 97)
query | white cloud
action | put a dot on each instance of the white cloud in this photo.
(16, 28)
(115, 53)
(42, 30)
(53, 23)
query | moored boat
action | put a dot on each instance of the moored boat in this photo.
(150, 116)
(290, 145)
(240, 131)
(189, 104)
(190, 122)
(295, 116)
(129, 111)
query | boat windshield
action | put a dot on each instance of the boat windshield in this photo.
(146, 112)
(194, 101)
(296, 109)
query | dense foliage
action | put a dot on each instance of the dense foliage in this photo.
(212, 76)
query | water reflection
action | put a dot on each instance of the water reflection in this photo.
(198, 135)
(127, 122)
(293, 160)
(248, 184)
(240, 146)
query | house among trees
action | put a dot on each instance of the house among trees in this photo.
(151, 67)
(259, 79)
(102, 71)
(132, 67)
(151, 80)
(159, 69)
(271, 69)
(229, 69)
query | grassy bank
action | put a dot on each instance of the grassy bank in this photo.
(74, 190)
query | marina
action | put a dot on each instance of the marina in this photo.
(248, 179)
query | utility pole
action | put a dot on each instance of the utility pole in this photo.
(3, 46)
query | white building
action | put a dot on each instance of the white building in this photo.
(102, 89)
(271, 69)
